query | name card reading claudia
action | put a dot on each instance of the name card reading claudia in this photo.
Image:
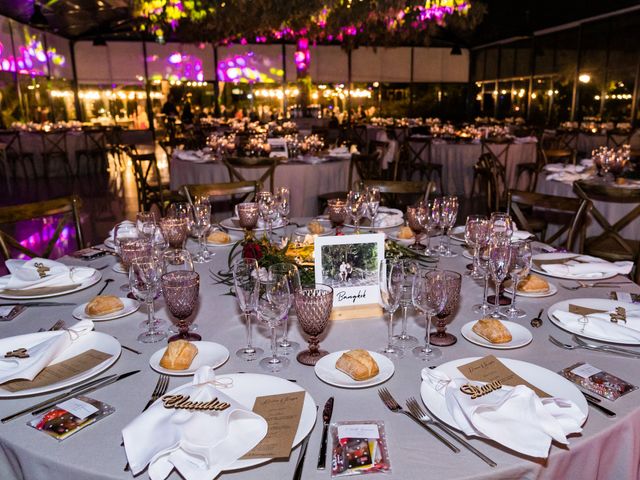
(182, 402)
(479, 390)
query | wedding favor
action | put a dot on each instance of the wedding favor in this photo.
(597, 381)
(359, 448)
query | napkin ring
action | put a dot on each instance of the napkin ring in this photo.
(17, 353)
(619, 315)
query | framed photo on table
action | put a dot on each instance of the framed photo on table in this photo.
(349, 264)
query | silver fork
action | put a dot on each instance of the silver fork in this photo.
(569, 287)
(415, 409)
(395, 407)
(568, 346)
(161, 388)
(606, 348)
(56, 326)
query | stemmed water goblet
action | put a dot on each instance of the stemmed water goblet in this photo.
(272, 311)
(520, 266)
(448, 216)
(283, 201)
(416, 218)
(200, 221)
(180, 290)
(144, 280)
(313, 308)
(476, 235)
(247, 217)
(292, 275)
(409, 270)
(337, 213)
(246, 280)
(356, 207)
(373, 203)
(499, 263)
(452, 283)
(390, 282)
(175, 230)
(429, 295)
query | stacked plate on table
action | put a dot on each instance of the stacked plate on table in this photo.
(572, 266)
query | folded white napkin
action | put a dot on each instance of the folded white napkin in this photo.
(588, 266)
(388, 220)
(24, 274)
(512, 416)
(568, 177)
(197, 443)
(195, 156)
(601, 326)
(520, 235)
(126, 222)
(42, 352)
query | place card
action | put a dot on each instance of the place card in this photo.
(60, 371)
(489, 369)
(282, 413)
(578, 310)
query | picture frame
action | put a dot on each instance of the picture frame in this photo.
(349, 264)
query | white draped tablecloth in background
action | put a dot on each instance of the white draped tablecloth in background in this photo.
(606, 449)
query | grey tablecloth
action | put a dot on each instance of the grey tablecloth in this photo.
(607, 449)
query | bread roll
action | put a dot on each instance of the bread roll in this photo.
(315, 228)
(405, 233)
(358, 364)
(178, 355)
(492, 329)
(219, 237)
(533, 284)
(103, 305)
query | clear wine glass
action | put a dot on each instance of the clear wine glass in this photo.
(520, 266)
(181, 290)
(356, 207)
(448, 216)
(429, 295)
(283, 200)
(268, 210)
(272, 310)
(390, 282)
(246, 279)
(501, 225)
(499, 263)
(146, 224)
(409, 270)
(200, 226)
(291, 273)
(373, 203)
(176, 260)
(431, 222)
(476, 235)
(144, 279)
(484, 308)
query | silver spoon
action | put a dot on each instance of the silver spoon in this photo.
(537, 321)
(106, 282)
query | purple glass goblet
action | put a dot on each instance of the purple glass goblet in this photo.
(180, 290)
(174, 231)
(248, 216)
(441, 337)
(313, 308)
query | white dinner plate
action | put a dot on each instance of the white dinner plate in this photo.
(109, 243)
(118, 268)
(91, 340)
(402, 241)
(596, 304)
(247, 387)
(548, 293)
(457, 234)
(520, 336)
(396, 217)
(231, 223)
(560, 256)
(209, 353)
(327, 372)
(92, 280)
(234, 238)
(130, 306)
(552, 383)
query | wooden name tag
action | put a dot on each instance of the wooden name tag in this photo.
(479, 390)
(182, 402)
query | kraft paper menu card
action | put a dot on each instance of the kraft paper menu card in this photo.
(554, 261)
(489, 369)
(578, 310)
(60, 371)
(282, 413)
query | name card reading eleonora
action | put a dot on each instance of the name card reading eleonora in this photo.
(182, 402)
(349, 264)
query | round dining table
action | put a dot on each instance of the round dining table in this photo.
(606, 448)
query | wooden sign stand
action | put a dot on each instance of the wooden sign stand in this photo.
(356, 312)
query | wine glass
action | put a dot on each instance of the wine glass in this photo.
(283, 201)
(501, 225)
(452, 284)
(373, 203)
(176, 260)
(337, 213)
(179, 210)
(129, 244)
(476, 235)
(390, 282)
(484, 308)
(409, 269)
(448, 216)
(144, 279)
(175, 231)
(268, 209)
(313, 308)
(272, 311)
(499, 263)
(291, 273)
(416, 215)
(429, 295)
(520, 266)
(431, 222)
(200, 221)
(356, 207)
(247, 213)
(146, 224)
(180, 290)
(246, 280)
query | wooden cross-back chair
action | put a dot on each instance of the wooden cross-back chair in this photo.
(567, 139)
(151, 190)
(617, 138)
(400, 194)
(489, 177)
(15, 155)
(530, 208)
(358, 134)
(268, 165)
(381, 148)
(610, 244)
(54, 147)
(238, 191)
(531, 169)
(67, 207)
(94, 151)
(415, 157)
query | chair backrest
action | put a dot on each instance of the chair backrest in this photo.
(148, 178)
(498, 149)
(367, 167)
(95, 139)
(268, 165)
(571, 213)
(399, 194)
(54, 143)
(609, 193)
(12, 141)
(617, 138)
(67, 207)
(567, 139)
(491, 173)
(247, 190)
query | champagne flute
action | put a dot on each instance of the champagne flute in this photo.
(272, 311)
(356, 207)
(499, 263)
(409, 269)
(448, 216)
(283, 200)
(144, 279)
(476, 235)
(246, 280)
(429, 295)
(520, 266)
(200, 225)
(291, 273)
(484, 308)
(373, 203)
(390, 282)
(431, 222)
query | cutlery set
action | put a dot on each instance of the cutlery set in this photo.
(594, 285)
(581, 344)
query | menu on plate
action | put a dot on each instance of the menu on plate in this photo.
(489, 369)
(578, 310)
(282, 413)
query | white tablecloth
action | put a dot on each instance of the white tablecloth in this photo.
(605, 450)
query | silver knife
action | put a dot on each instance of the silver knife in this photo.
(326, 418)
(86, 389)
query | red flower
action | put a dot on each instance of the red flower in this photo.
(252, 250)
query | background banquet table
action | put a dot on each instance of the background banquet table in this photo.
(605, 449)
(305, 181)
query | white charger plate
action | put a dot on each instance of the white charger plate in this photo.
(552, 383)
(91, 340)
(247, 387)
(457, 234)
(130, 306)
(550, 292)
(234, 238)
(231, 223)
(521, 336)
(209, 353)
(92, 280)
(326, 371)
(596, 304)
(560, 256)
(118, 268)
